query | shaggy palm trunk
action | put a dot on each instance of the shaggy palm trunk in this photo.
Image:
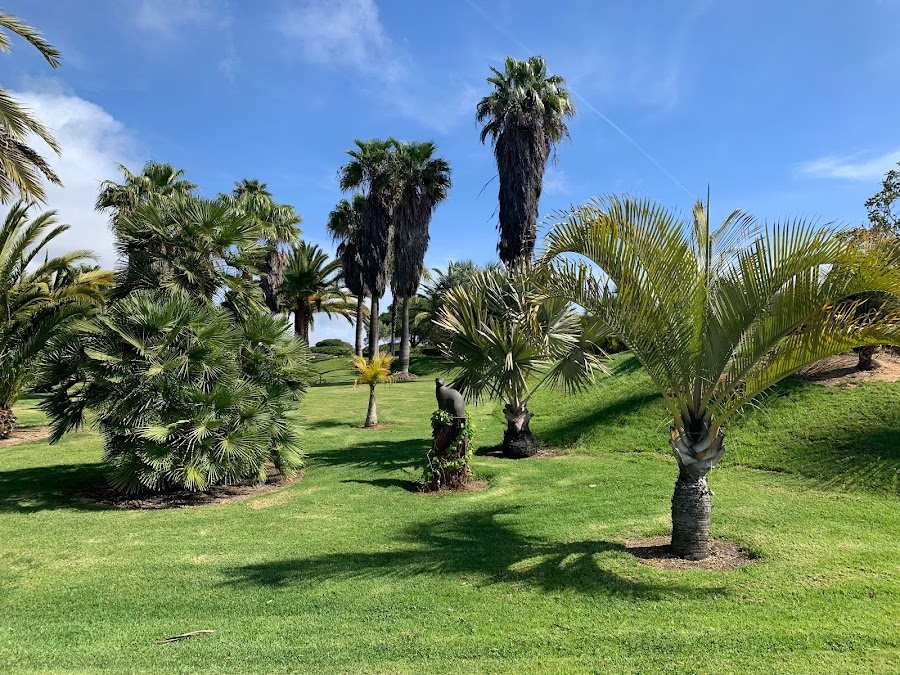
(692, 499)
(301, 323)
(372, 414)
(404, 338)
(866, 358)
(518, 441)
(271, 276)
(7, 422)
(373, 328)
(393, 326)
(360, 327)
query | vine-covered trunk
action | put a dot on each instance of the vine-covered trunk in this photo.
(360, 326)
(866, 358)
(448, 459)
(518, 441)
(393, 327)
(7, 422)
(372, 414)
(404, 337)
(373, 328)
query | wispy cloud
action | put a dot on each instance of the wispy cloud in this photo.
(169, 16)
(556, 182)
(849, 167)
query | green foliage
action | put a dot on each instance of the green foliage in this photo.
(373, 371)
(184, 396)
(884, 206)
(333, 347)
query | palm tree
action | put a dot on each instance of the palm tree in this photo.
(716, 317)
(344, 224)
(277, 224)
(374, 371)
(524, 117)
(21, 167)
(37, 299)
(310, 287)
(156, 180)
(425, 181)
(371, 170)
(508, 340)
(435, 289)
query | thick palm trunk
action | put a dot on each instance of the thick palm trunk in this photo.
(692, 499)
(372, 414)
(301, 323)
(373, 328)
(360, 328)
(518, 441)
(404, 338)
(393, 327)
(7, 422)
(866, 358)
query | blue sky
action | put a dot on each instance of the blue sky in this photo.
(783, 108)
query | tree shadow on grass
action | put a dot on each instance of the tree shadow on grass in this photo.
(408, 485)
(478, 545)
(380, 455)
(567, 430)
(49, 487)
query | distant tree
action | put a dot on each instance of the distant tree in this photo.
(372, 372)
(884, 206)
(156, 180)
(21, 167)
(311, 286)
(435, 290)
(345, 227)
(425, 183)
(524, 116)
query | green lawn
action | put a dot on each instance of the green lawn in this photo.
(347, 571)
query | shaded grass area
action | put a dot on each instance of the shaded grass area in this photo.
(348, 571)
(337, 370)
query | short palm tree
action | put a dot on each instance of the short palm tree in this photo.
(524, 116)
(425, 181)
(716, 317)
(311, 286)
(37, 298)
(372, 372)
(344, 224)
(508, 340)
(371, 169)
(21, 167)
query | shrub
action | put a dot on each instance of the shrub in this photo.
(333, 347)
(184, 395)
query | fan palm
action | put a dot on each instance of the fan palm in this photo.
(508, 340)
(425, 181)
(311, 286)
(524, 116)
(37, 299)
(21, 167)
(156, 180)
(372, 372)
(344, 224)
(435, 289)
(371, 169)
(716, 317)
(277, 224)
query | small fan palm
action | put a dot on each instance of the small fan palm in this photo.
(372, 372)
(508, 340)
(716, 317)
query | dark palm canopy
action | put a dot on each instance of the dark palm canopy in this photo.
(345, 227)
(21, 167)
(524, 116)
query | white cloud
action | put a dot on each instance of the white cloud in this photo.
(850, 167)
(93, 143)
(168, 16)
(556, 182)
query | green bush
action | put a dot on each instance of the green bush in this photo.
(333, 347)
(184, 395)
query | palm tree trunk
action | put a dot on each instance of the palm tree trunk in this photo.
(691, 513)
(359, 325)
(404, 338)
(372, 414)
(373, 328)
(301, 323)
(7, 422)
(866, 358)
(518, 441)
(393, 325)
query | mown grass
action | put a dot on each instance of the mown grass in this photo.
(348, 571)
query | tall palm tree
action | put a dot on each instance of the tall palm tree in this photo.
(524, 116)
(344, 224)
(21, 167)
(37, 298)
(372, 372)
(371, 170)
(278, 224)
(155, 180)
(507, 340)
(716, 316)
(425, 181)
(311, 286)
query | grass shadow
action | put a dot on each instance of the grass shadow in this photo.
(380, 455)
(565, 431)
(49, 487)
(479, 545)
(407, 485)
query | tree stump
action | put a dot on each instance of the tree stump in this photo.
(448, 459)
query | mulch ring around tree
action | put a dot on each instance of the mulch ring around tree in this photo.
(496, 451)
(841, 369)
(179, 499)
(25, 435)
(656, 552)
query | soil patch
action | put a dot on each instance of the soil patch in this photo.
(656, 552)
(26, 435)
(496, 451)
(222, 494)
(404, 377)
(475, 485)
(841, 369)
